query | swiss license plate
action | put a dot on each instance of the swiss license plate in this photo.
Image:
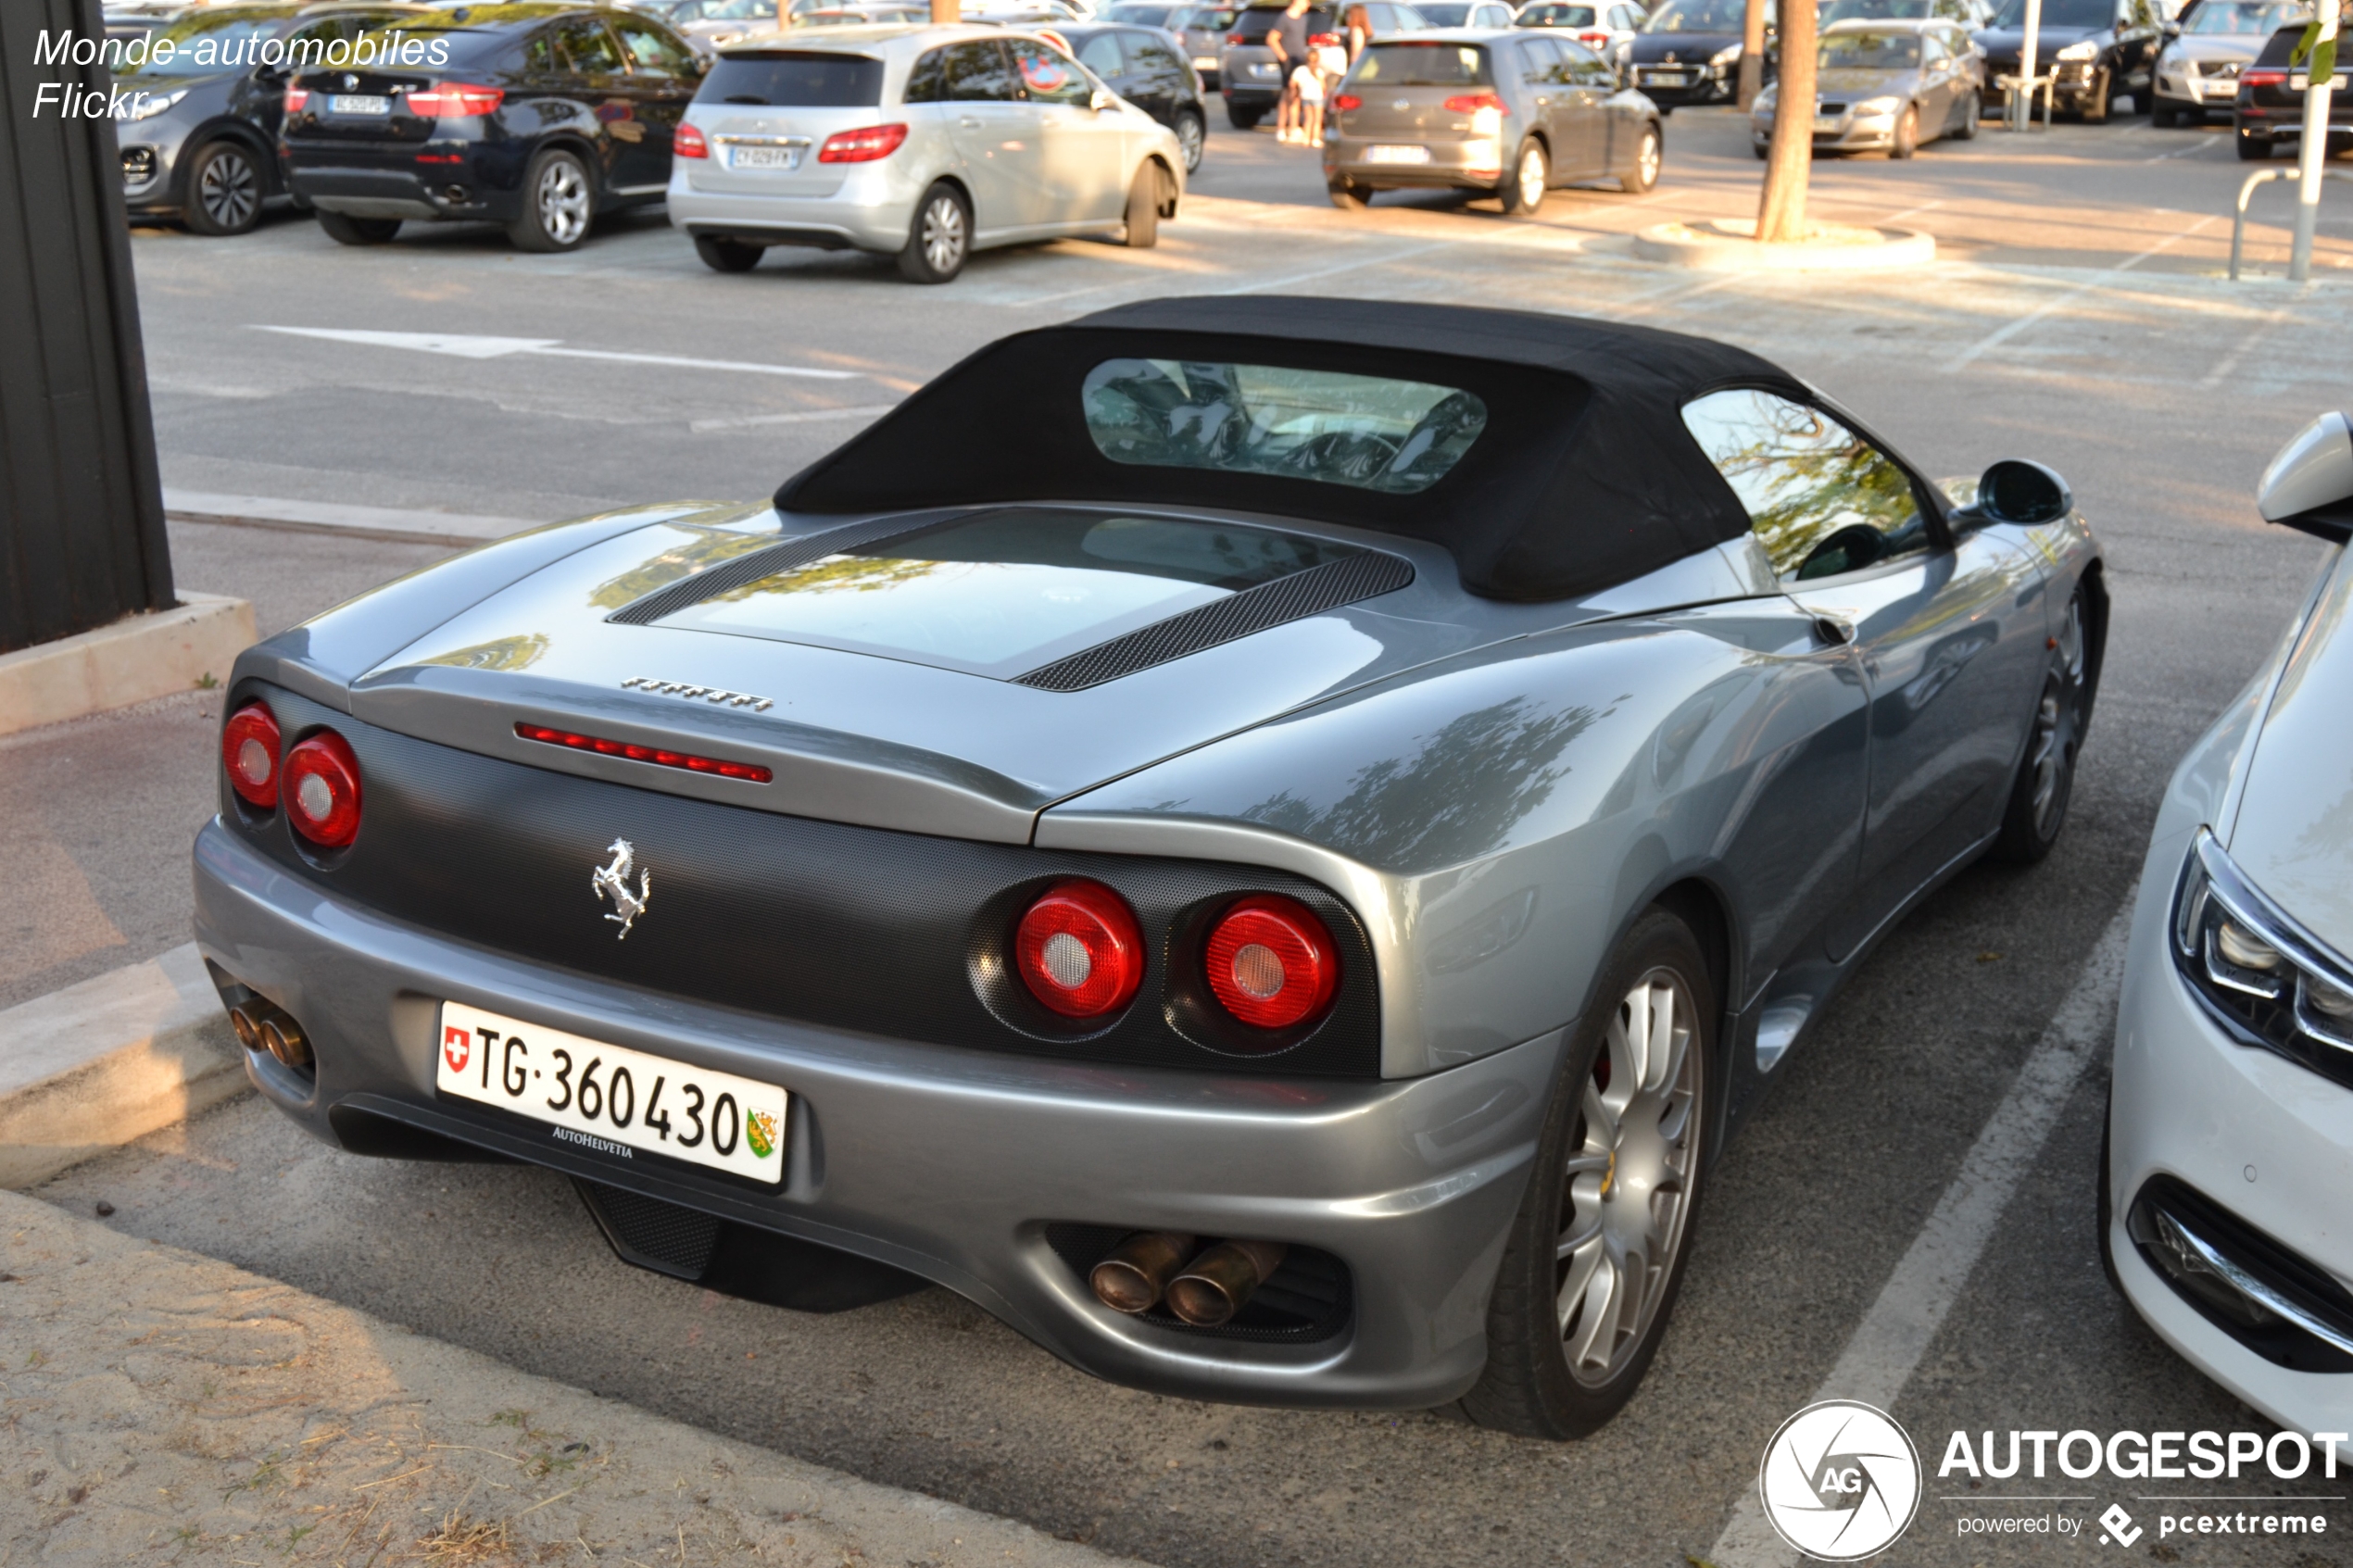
(1396, 155)
(611, 1099)
(357, 103)
(764, 157)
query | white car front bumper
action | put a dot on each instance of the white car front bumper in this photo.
(2257, 1134)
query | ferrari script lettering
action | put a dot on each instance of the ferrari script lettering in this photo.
(698, 694)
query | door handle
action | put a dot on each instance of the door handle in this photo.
(968, 122)
(1833, 633)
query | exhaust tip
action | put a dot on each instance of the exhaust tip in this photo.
(282, 1038)
(248, 1027)
(1132, 1278)
(1221, 1281)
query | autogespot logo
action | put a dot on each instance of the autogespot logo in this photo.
(1840, 1481)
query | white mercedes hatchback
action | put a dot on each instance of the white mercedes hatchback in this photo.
(921, 143)
(2224, 1207)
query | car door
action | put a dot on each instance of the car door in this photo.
(1102, 55)
(1935, 94)
(1075, 179)
(994, 131)
(1540, 72)
(2136, 39)
(1585, 111)
(1948, 634)
(662, 77)
(597, 77)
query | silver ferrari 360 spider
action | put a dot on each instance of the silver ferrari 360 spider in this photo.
(1266, 842)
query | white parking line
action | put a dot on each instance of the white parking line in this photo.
(864, 410)
(2230, 361)
(1887, 1345)
(468, 346)
(2003, 334)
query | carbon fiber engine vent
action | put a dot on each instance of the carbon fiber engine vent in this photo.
(1302, 594)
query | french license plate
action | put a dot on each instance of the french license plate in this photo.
(611, 1099)
(1666, 78)
(764, 157)
(1204, 62)
(1264, 70)
(1396, 155)
(357, 103)
(2298, 82)
(1827, 122)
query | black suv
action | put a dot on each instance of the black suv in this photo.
(1144, 66)
(2093, 48)
(2270, 102)
(538, 117)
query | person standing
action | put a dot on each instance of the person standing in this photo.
(1288, 39)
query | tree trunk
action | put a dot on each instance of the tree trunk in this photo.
(1753, 54)
(1780, 215)
(946, 13)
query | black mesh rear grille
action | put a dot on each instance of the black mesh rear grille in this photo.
(1302, 594)
(651, 1234)
(1309, 1298)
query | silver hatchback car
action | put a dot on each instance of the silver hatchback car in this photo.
(925, 144)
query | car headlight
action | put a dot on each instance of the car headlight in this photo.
(1876, 108)
(2084, 50)
(2271, 981)
(147, 106)
(1725, 58)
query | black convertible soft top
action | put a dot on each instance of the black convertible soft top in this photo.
(1583, 478)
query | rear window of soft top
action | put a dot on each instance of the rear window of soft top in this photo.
(794, 78)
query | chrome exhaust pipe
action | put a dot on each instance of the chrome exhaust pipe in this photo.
(1215, 1284)
(262, 1025)
(1132, 1277)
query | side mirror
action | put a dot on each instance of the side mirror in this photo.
(2025, 494)
(271, 73)
(1103, 99)
(2171, 30)
(2310, 485)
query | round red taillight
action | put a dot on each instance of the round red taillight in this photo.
(323, 790)
(1080, 951)
(249, 750)
(1271, 962)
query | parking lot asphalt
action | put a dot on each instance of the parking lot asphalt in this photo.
(2078, 319)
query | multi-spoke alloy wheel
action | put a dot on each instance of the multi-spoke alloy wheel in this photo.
(227, 191)
(562, 196)
(2046, 774)
(1594, 1257)
(1629, 1178)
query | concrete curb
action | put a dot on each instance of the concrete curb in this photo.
(321, 517)
(96, 1065)
(159, 1402)
(1717, 247)
(137, 657)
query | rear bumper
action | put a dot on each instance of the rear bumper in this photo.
(1478, 165)
(860, 216)
(449, 192)
(949, 1163)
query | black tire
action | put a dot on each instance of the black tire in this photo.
(1192, 139)
(1529, 1385)
(1348, 195)
(2037, 809)
(1762, 149)
(226, 185)
(1241, 118)
(559, 204)
(2094, 109)
(1966, 130)
(1144, 197)
(2253, 149)
(2145, 100)
(345, 229)
(939, 238)
(1650, 155)
(1907, 133)
(727, 255)
(1526, 179)
(2103, 1205)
